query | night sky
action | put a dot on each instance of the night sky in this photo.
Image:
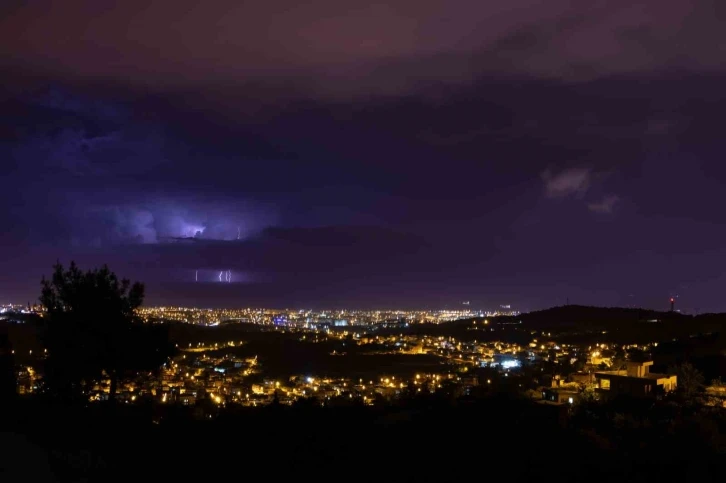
(355, 154)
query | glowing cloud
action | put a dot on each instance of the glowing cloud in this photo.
(573, 181)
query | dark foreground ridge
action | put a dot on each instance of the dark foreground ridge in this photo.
(421, 438)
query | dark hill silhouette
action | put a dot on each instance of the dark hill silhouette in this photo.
(570, 315)
(581, 324)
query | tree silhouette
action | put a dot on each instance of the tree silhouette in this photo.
(91, 330)
(8, 382)
(690, 381)
(618, 359)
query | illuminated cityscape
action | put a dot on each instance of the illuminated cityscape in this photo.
(367, 356)
(241, 365)
(309, 318)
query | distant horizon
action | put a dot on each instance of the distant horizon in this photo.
(463, 308)
(209, 294)
(424, 309)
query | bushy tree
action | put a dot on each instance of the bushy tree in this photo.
(91, 330)
(8, 381)
(690, 381)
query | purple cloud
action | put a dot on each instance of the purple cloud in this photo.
(360, 47)
(605, 206)
(572, 181)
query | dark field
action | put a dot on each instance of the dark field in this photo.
(282, 354)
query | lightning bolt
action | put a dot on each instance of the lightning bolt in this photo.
(196, 275)
(220, 276)
(238, 233)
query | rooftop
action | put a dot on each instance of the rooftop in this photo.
(624, 373)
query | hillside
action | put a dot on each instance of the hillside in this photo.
(583, 324)
(580, 315)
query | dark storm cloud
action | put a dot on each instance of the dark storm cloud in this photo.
(95, 163)
(67, 134)
(461, 178)
(399, 155)
(361, 48)
(166, 217)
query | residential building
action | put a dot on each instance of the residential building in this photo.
(636, 381)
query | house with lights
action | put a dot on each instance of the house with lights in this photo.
(636, 381)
